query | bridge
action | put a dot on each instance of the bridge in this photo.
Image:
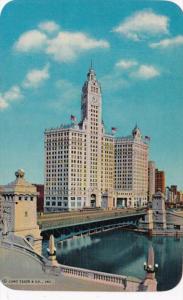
(81, 222)
(16, 275)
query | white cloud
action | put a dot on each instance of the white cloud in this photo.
(126, 64)
(171, 42)
(12, 95)
(124, 72)
(3, 103)
(63, 46)
(33, 79)
(145, 72)
(36, 77)
(31, 41)
(143, 24)
(67, 46)
(49, 26)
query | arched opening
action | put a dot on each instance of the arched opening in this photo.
(121, 202)
(93, 200)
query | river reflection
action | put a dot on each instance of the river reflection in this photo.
(123, 252)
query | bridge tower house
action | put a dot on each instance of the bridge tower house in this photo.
(159, 211)
(19, 210)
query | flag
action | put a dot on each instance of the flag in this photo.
(147, 138)
(73, 118)
(113, 129)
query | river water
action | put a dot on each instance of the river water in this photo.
(124, 252)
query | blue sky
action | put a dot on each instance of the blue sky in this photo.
(45, 52)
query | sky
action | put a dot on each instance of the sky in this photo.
(45, 52)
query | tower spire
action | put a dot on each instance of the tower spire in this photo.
(91, 73)
(91, 65)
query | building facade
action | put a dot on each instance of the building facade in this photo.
(159, 181)
(40, 197)
(173, 195)
(151, 179)
(131, 170)
(87, 167)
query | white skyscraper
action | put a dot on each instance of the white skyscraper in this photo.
(82, 163)
(131, 165)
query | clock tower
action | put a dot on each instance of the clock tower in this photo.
(91, 96)
(91, 114)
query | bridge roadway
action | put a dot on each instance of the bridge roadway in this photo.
(69, 219)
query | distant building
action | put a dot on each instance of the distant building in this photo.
(151, 179)
(40, 197)
(160, 181)
(19, 210)
(169, 195)
(131, 170)
(179, 197)
(87, 167)
(174, 191)
(173, 195)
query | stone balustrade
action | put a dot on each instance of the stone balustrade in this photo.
(127, 283)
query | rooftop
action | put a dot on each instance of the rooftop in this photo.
(19, 185)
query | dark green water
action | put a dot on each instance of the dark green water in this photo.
(122, 252)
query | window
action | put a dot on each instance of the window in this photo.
(26, 214)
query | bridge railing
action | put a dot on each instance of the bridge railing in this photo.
(127, 283)
(77, 220)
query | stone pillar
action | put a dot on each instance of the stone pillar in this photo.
(52, 251)
(159, 211)
(150, 282)
(147, 222)
(150, 219)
